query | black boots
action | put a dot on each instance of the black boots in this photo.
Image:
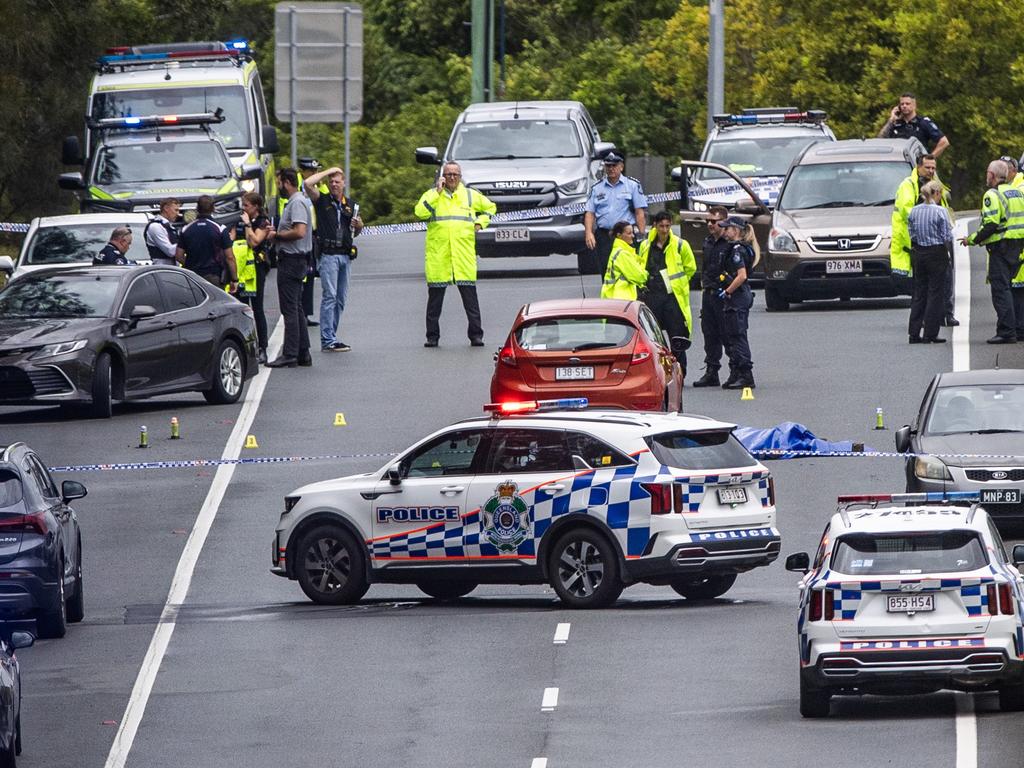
(709, 379)
(739, 380)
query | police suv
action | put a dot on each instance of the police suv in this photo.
(588, 501)
(909, 593)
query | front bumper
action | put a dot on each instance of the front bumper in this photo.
(58, 379)
(706, 552)
(557, 234)
(798, 277)
(960, 482)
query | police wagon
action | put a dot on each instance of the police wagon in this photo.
(588, 501)
(909, 593)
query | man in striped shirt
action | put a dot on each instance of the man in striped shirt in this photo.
(930, 229)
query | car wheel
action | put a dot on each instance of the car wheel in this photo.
(704, 587)
(76, 605)
(584, 570)
(814, 702)
(228, 375)
(330, 566)
(102, 388)
(1011, 697)
(446, 590)
(53, 623)
(773, 300)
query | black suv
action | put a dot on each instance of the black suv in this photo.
(40, 544)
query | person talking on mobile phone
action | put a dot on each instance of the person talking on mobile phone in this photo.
(905, 123)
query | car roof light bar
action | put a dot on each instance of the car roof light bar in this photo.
(532, 406)
(752, 117)
(909, 498)
(154, 121)
(124, 54)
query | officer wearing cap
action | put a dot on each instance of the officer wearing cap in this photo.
(905, 123)
(714, 250)
(615, 198)
(159, 235)
(114, 252)
(737, 299)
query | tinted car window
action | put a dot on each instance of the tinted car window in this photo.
(938, 552)
(80, 295)
(998, 407)
(161, 161)
(450, 454)
(574, 333)
(843, 185)
(650, 326)
(42, 476)
(77, 243)
(529, 450)
(10, 488)
(143, 293)
(699, 450)
(765, 156)
(198, 292)
(177, 291)
(510, 139)
(595, 452)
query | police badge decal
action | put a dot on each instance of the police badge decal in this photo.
(506, 518)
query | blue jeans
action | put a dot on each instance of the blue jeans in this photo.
(334, 287)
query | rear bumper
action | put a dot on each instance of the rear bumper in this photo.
(629, 395)
(26, 595)
(733, 551)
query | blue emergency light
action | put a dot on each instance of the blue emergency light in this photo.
(532, 406)
(154, 121)
(128, 55)
(910, 498)
(815, 116)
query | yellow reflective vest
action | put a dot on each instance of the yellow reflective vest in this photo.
(908, 193)
(680, 266)
(1018, 180)
(245, 263)
(1002, 214)
(450, 254)
(625, 274)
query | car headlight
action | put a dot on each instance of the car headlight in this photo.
(574, 187)
(931, 468)
(249, 185)
(51, 350)
(780, 240)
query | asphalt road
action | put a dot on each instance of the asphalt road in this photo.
(254, 675)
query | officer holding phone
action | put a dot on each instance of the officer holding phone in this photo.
(905, 123)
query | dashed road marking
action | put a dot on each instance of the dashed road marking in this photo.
(550, 700)
(539, 762)
(562, 634)
(966, 731)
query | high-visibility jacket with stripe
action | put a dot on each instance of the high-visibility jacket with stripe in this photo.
(451, 218)
(1018, 180)
(680, 265)
(245, 263)
(908, 194)
(625, 274)
(1002, 216)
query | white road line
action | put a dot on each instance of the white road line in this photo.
(550, 700)
(561, 634)
(966, 732)
(539, 762)
(139, 698)
(962, 299)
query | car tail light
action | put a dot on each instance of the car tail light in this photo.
(771, 491)
(507, 355)
(661, 497)
(822, 605)
(1000, 600)
(35, 523)
(830, 605)
(641, 352)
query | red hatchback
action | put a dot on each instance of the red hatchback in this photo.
(610, 351)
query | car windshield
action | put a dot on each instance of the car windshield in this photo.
(511, 139)
(79, 295)
(699, 450)
(908, 553)
(234, 131)
(574, 334)
(978, 408)
(161, 161)
(761, 156)
(69, 243)
(843, 185)
(10, 488)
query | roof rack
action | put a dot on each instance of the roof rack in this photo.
(771, 116)
(125, 57)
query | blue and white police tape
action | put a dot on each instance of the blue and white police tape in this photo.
(767, 454)
(14, 227)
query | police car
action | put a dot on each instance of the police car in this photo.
(588, 501)
(909, 593)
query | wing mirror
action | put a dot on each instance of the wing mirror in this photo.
(22, 640)
(139, 312)
(602, 148)
(427, 156)
(903, 438)
(1018, 554)
(799, 562)
(394, 476)
(251, 171)
(269, 144)
(72, 181)
(71, 490)
(7, 265)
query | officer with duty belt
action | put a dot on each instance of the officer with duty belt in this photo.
(159, 235)
(712, 320)
(613, 199)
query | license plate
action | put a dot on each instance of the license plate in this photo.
(511, 235)
(909, 603)
(732, 495)
(844, 267)
(574, 372)
(1000, 496)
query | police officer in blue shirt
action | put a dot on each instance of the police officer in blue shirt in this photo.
(615, 198)
(905, 123)
(114, 252)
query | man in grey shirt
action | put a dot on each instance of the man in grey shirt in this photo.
(294, 240)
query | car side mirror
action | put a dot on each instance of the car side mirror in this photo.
(71, 151)
(602, 148)
(394, 476)
(251, 171)
(139, 312)
(903, 438)
(268, 141)
(22, 640)
(71, 490)
(799, 562)
(749, 208)
(7, 265)
(1018, 554)
(427, 156)
(72, 181)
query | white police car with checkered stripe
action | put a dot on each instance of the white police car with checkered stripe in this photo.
(909, 593)
(588, 501)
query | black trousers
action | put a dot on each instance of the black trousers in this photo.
(1003, 263)
(735, 316)
(255, 300)
(712, 326)
(602, 249)
(670, 317)
(948, 306)
(928, 302)
(290, 272)
(435, 300)
(307, 296)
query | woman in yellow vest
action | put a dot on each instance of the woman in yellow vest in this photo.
(669, 263)
(624, 274)
(248, 246)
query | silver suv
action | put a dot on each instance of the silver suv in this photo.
(525, 155)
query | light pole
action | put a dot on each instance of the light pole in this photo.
(716, 59)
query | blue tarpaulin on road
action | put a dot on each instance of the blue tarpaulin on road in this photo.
(788, 436)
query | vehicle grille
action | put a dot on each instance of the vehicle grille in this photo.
(16, 384)
(519, 205)
(842, 244)
(985, 475)
(49, 381)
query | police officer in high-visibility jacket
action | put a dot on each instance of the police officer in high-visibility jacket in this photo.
(454, 214)
(669, 263)
(1002, 233)
(624, 275)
